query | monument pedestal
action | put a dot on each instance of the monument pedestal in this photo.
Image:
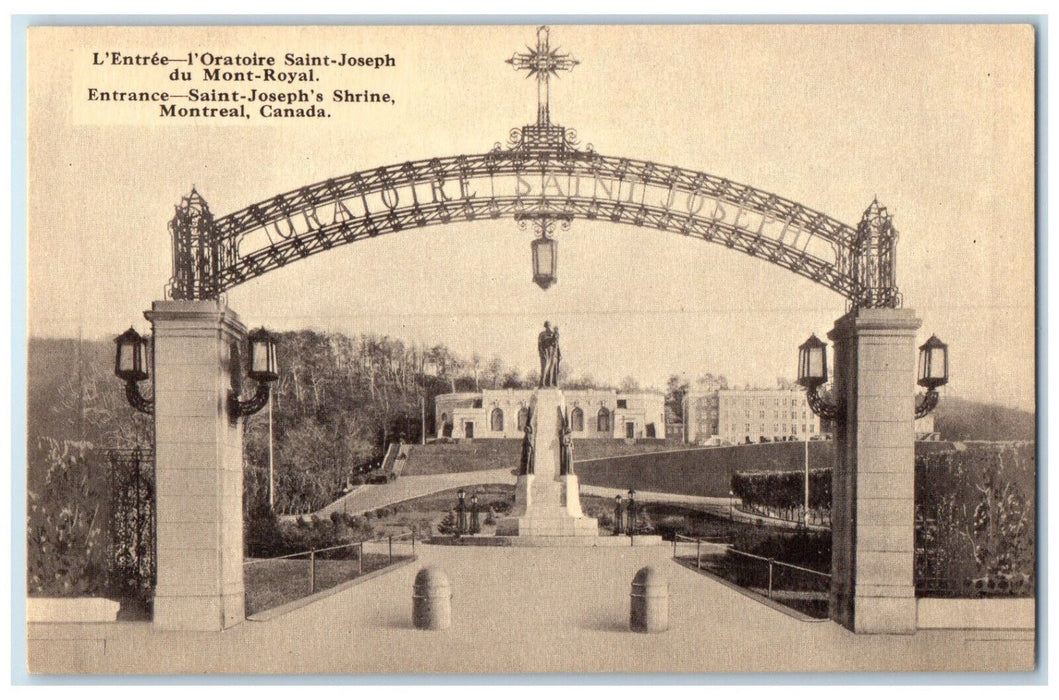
(547, 502)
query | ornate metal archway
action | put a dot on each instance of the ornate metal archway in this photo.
(542, 175)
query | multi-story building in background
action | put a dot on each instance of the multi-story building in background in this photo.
(593, 413)
(736, 416)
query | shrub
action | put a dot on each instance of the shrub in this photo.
(500, 506)
(669, 525)
(357, 481)
(642, 522)
(448, 524)
(263, 536)
(975, 520)
(65, 523)
(606, 520)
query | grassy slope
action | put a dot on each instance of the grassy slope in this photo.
(480, 455)
(701, 472)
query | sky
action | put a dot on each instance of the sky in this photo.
(935, 121)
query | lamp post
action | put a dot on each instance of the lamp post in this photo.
(630, 514)
(731, 513)
(461, 512)
(617, 514)
(475, 527)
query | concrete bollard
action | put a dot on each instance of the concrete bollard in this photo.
(649, 601)
(432, 600)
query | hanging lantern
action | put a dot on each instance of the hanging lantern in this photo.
(933, 363)
(544, 260)
(812, 362)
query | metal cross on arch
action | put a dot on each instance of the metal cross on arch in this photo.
(542, 63)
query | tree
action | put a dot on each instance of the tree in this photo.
(676, 389)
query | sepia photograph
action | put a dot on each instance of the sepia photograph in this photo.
(530, 348)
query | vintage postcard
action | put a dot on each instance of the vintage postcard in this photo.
(529, 348)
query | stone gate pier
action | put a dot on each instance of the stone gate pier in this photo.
(873, 506)
(199, 466)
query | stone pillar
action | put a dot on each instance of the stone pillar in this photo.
(873, 506)
(199, 467)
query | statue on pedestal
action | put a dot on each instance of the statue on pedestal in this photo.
(566, 451)
(526, 462)
(548, 349)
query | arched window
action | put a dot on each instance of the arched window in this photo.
(496, 421)
(603, 421)
(523, 418)
(577, 420)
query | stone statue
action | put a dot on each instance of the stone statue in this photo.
(526, 462)
(556, 356)
(566, 452)
(546, 349)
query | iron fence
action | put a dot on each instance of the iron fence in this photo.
(277, 580)
(698, 549)
(131, 556)
(797, 587)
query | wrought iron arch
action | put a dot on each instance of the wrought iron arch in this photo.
(541, 176)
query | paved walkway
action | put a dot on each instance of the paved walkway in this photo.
(372, 497)
(522, 610)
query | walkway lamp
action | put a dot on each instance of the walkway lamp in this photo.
(630, 514)
(263, 369)
(933, 373)
(475, 527)
(461, 512)
(130, 366)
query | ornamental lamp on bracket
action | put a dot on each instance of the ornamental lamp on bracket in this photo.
(933, 364)
(130, 362)
(263, 364)
(812, 374)
(130, 366)
(812, 362)
(545, 251)
(263, 369)
(933, 373)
